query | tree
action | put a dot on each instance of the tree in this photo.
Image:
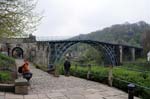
(17, 17)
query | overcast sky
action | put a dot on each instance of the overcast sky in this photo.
(74, 17)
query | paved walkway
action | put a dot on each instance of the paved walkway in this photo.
(45, 86)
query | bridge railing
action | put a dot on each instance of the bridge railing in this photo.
(52, 38)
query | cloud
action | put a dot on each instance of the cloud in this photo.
(73, 17)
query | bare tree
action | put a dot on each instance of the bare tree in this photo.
(17, 17)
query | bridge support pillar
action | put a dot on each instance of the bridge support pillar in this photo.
(121, 54)
(133, 54)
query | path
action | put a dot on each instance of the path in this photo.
(45, 86)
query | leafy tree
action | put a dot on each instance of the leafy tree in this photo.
(17, 17)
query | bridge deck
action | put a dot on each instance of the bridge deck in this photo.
(90, 41)
(45, 86)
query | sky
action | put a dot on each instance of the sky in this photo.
(67, 18)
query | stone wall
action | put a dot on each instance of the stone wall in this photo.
(25, 44)
(33, 50)
(26, 47)
(42, 54)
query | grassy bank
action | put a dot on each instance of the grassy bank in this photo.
(7, 69)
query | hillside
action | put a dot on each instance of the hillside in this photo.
(126, 33)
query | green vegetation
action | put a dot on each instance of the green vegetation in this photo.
(121, 78)
(138, 66)
(7, 69)
(6, 77)
(6, 61)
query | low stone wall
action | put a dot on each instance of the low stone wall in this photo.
(7, 87)
(21, 86)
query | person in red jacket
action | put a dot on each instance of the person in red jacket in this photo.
(25, 66)
(26, 70)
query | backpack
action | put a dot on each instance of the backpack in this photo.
(20, 69)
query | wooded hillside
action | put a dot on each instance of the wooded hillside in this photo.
(130, 34)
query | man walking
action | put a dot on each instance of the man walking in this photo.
(67, 66)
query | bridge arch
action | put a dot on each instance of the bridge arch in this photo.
(62, 47)
(17, 52)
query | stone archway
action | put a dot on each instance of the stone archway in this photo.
(17, 52)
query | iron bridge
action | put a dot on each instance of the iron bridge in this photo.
(111, 51)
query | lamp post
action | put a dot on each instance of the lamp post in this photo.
(131, 88)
